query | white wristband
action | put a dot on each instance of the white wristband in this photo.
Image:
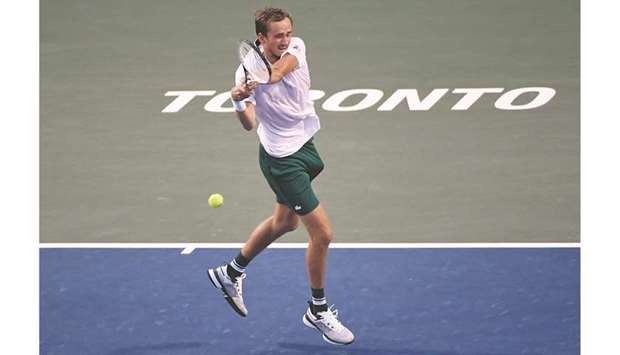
(239, 105)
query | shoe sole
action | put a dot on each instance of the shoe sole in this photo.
(217, 283)
(308, 323)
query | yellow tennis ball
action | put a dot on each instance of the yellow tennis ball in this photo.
(216, 200)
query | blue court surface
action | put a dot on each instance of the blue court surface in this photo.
(396, 301)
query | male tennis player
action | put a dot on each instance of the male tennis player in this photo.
(286, 121)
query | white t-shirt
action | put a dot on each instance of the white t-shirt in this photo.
(284, 111)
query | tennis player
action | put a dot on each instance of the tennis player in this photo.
(286, 123)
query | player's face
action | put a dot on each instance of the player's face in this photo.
(278, 37)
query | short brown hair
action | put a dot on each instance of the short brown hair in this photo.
(269, 14)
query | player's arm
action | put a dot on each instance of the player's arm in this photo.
(286, 64)
(244, 109)
(247, 117)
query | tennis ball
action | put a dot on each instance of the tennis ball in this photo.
(216, 200)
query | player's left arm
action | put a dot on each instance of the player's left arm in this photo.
(286, 64)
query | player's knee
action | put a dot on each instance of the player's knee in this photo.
(287, 225)
(290, 225)
(324, 236)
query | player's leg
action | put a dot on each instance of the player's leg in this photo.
(318, 315)
(282, 221)
(320, 235)
(229, 278)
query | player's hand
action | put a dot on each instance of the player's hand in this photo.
(243, 91)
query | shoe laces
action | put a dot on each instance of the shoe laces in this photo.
(238, 283)
(330, 318)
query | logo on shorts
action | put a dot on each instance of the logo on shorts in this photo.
(297, 207)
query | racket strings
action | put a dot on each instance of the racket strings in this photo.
(253, 63)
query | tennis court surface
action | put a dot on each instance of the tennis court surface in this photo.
(470, 301)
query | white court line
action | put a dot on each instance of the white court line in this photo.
(188, 248)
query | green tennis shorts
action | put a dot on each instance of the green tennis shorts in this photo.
(289, 177)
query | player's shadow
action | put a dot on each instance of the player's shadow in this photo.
(306, 349)
(168, 348)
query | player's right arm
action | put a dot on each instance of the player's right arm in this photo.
(244, 109)
(247, 117)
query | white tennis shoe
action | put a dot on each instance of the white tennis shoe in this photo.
(329, 326)
(233, 290)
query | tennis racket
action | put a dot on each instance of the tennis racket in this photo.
(255, 65)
